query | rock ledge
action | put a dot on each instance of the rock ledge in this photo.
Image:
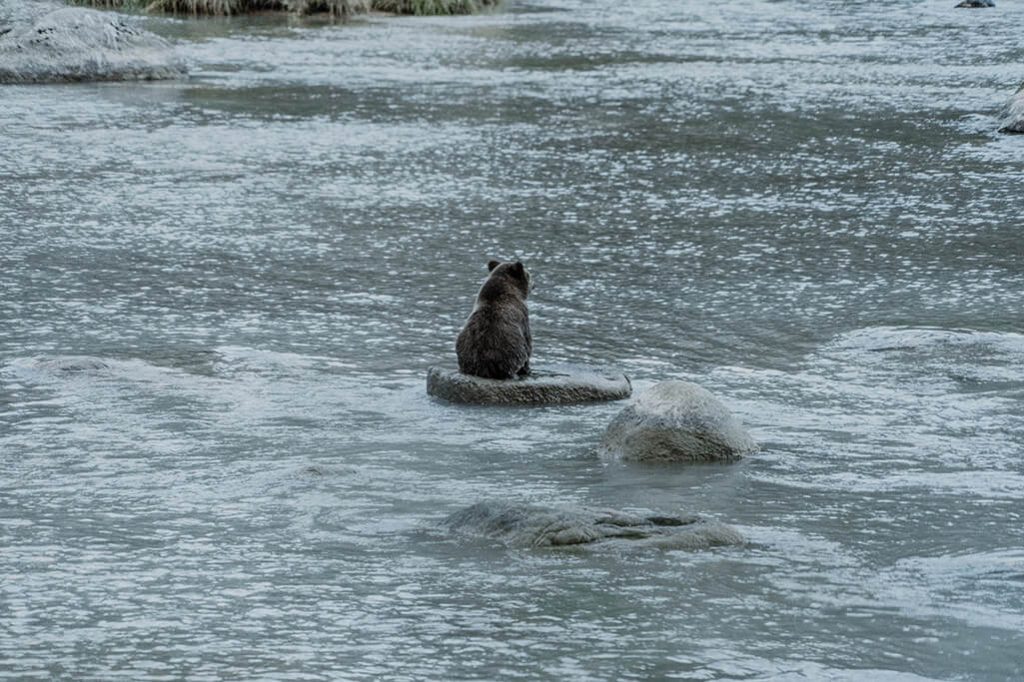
(546, 385)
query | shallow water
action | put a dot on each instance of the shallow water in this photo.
(219, 298)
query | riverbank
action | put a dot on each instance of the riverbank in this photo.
(341, 8)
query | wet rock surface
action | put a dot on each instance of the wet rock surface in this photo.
(1013, 115)
(43, 43)
(676, 421)
(545, 385)
(525, 525)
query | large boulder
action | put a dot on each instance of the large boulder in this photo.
(553, 385)
(524, 525)
(676, 421)
(42, 42)
(1013, 115)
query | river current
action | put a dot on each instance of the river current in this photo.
(219, 298)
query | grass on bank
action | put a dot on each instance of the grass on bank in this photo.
(342, 8)
(427, 7)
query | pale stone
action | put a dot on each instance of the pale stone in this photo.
(676, 421)
(1013, 115)
(43, 42)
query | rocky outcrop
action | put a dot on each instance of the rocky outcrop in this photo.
(676, 421)
(553, 385)
(42, 42)
(523, 525)
(1013, 116)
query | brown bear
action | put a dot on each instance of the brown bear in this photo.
(496, 342)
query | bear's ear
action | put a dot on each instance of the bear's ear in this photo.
(492, 264)
(518, 269)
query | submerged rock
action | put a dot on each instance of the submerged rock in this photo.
(1013, 115)
(524, 525)
(977, 3)
(553, 385)
(676, 421)
(42, 42)
(71, 364)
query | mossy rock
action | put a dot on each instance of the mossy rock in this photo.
(535, 526)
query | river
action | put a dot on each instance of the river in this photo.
(219, 298)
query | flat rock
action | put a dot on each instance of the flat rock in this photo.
(551, 385)
(42, 42)
(1013, 115)
(676, 421)
(525, 525)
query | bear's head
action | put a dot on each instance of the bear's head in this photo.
(510, 274)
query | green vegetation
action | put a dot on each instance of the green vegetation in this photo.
(342, 8)
(426, 7)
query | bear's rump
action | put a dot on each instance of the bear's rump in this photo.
(493, 347)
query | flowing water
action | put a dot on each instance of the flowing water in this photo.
(219, 298)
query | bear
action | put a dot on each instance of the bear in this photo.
(496, 341)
